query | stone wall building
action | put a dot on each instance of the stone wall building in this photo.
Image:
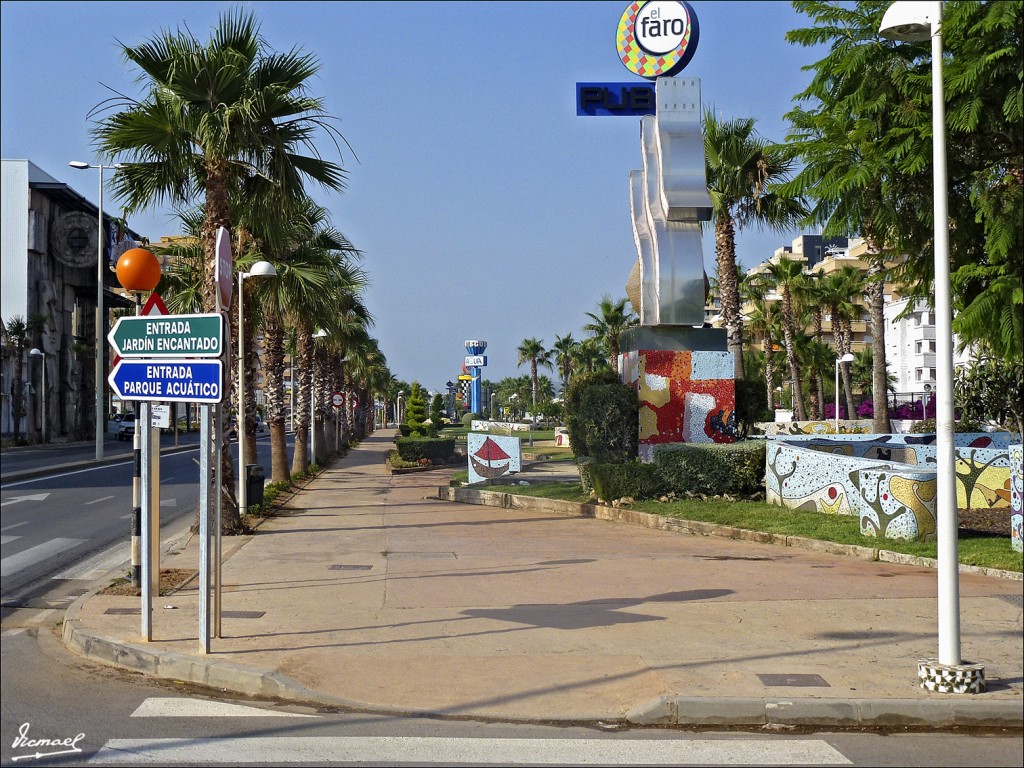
(48, 253)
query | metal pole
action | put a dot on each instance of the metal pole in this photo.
(217, 517)
(837, 396)
(44, 397)
(312, 414)
(101, 425)
(205, 483)
(137, 482)
(145, 435)
(242, 490)
(948, 546)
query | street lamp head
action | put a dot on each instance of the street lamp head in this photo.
(320, 334)
(261, 269)
(79, 165)
(847, 358)
(36, 352)
(908, 21)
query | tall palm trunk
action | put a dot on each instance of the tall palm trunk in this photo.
(304, 344)
(794, 365)
(217, 215)
(729, 288)
(818, 382)
(769, 372)
(273, 339)
(876, 307)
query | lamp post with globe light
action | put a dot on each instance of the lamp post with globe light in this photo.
(101, 425)
(259, 269)
(917, 22)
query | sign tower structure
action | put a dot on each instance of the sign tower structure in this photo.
(682, 371)
(474, 363)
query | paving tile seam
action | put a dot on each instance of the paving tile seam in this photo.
(700, 528)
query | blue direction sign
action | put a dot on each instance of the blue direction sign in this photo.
(183, 381)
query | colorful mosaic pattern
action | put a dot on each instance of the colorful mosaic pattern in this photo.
(685, 397)
(1017, 497)
(888, 481)
(638, 61)
(813, 427)
(492, 456)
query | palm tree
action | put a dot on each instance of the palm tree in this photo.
(215, 115)
(786, 273)
(838, 292)
(532, 351)
(743, 174)
(610, 320)
(17, 332)
(588, 355)
(563, 349)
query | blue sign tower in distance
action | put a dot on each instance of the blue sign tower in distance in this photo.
(475, 361)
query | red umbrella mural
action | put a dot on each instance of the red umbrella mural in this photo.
(487, 460)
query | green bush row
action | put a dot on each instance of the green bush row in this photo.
(438, 450)
(709, 468)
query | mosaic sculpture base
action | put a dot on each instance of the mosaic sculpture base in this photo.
(684, 380)
(951, 678)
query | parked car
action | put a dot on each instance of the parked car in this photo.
(126, 430)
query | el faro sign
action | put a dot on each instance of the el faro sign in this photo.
(654, 39)
(657, 38)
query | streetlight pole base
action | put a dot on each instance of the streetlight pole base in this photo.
(951, 678)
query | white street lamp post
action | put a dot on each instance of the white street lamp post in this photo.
(847, 358)
(101, 425)
(918, 21)
(259, 269)
(34, 352)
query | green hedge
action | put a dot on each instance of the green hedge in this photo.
(634, 479)
(439, 450)
(712, 468)
(601, 416)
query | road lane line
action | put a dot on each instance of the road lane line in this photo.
(254, 750)
(97, 501)
(8, 539)
(33, 555)
(175, 707)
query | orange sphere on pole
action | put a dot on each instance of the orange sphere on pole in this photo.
(138, 270)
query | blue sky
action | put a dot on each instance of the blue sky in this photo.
(485, 207)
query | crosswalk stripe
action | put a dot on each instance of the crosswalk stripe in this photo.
(175, 707)
(8, 539)
(21, 560)
(99, 564)
(253, 750)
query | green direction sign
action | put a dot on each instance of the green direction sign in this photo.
(168, 336)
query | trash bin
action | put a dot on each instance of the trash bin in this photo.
(254, 485)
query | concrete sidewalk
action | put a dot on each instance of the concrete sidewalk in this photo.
(369, 592)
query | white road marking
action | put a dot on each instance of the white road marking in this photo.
(8, 539)
(21, 560)
(9, 527)
(175, 707)
(97, 501)
(259, 750)
(99, 564)
(31, 497)
(168, 502)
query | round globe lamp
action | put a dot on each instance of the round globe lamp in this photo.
(138, 270)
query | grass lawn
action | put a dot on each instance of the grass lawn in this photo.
(974, 549)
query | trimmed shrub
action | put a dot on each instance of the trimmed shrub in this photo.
(468, 418)
(633, 479)
(712, 468)
(437, 450)
(416, 411)
(751, 404)
(586, 468)
(404, 430)
(601, 416)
